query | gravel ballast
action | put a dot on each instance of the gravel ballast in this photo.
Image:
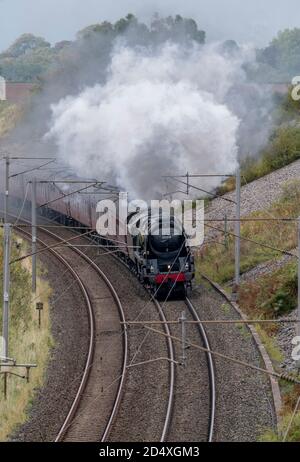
(244, 403)
(69, 327)
(244, 407)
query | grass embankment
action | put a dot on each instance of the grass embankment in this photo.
(270, 295)
(27, 343)
(218, 262)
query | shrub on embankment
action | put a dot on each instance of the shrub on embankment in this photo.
(282, 148)
(217, 259)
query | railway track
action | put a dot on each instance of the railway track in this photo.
(171, 357)
(193, 417)
(211, 369)
(168, 423)
(75, 412)
(204, 340)
(85, 403)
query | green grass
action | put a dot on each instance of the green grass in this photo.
(270, 295)
(273, 294)
(27, 343)
(293, 435)
(217, 262)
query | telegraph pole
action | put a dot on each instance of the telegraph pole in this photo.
(6, 287)
(33, 233)
(182, 321)
(298, 312)
(6, 192)
(238, 231)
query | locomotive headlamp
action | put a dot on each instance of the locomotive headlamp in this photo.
(169, 267)
(187, 266)
(152, 269)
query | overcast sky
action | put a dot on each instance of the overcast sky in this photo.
(253, 21)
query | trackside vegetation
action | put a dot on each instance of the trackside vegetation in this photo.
(282, 148)
(269, 295)
(217, 261)
(27, 343)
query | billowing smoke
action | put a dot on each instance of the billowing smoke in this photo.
(162, 112)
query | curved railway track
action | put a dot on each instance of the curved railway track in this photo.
(172, 361)
(211, 368)
(208, 423)
(171, 354)
(171, 357)
(168, 423)
(91, 360)
(204, 338)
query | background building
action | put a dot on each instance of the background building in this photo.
(15, 92)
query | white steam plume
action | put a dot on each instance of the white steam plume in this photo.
(158, 113)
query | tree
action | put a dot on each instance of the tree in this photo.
(25, 44)
(85, 60)
(123, 24)
(177, 29)
(283, 53)
(230, 47)
(63, 44)
(105, 28)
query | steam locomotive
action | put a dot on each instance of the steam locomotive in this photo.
(163, 262)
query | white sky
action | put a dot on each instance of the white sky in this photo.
(253, 21)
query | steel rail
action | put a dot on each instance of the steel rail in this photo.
(211, 369)
(119, 395)
(168, 418)
(89, 362)
(90, 355)
(171, 352)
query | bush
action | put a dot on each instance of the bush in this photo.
(273, 294)
(283, 149)
(217, 261)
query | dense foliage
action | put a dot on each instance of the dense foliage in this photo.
(282, 148)
(280, 61)
(29, 58)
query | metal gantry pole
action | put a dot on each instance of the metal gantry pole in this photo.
(298, 311)
(182, 320)
(226, 231)
(238, 231)
(33, 233)
(6, 287)
(6, 192)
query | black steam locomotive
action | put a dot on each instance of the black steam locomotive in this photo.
(163, 259)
